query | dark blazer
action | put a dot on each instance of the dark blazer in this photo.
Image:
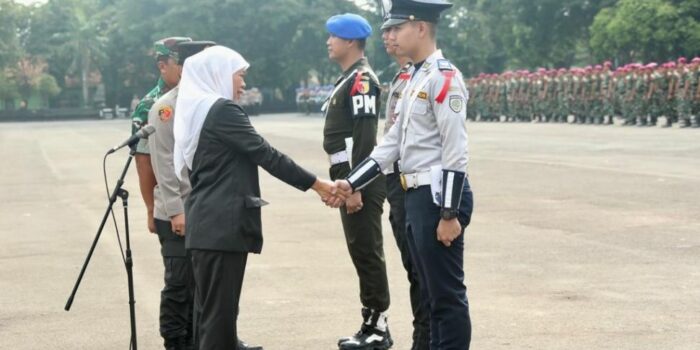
(223, 209)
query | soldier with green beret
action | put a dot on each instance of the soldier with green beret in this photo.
(166, 58)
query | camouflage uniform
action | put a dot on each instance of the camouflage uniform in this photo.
(695, 93)
(682, 97)
(607, 103)
(550, 111)
(502, 86)
(479, 98)
(595, 98)
(513, 98)
(537, 96)
(588, 96)
(658, 96)
(140, 116)
(621, 80)
(563, 90)
(641, 98)
(577, 101)
(471, 109)
(531, 99)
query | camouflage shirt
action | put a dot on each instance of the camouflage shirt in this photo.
(140, 116)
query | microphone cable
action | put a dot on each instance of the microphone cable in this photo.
(111, 210)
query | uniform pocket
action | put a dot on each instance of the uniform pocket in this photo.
(420, 108)
(254, 202)
(250, 222)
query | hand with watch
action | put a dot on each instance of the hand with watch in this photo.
(449, 227)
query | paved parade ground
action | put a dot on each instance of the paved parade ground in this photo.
(583, 237)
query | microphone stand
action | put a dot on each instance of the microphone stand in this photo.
(124, 195)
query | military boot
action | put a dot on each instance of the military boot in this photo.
(373, 334)
(694, 122)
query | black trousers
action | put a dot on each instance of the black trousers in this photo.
(219, 279)
(440, 268)
(363, 235)
(177, 296)
(396, 197)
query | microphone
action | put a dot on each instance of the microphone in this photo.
(143, 133)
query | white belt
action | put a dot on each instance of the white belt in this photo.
(415, 180)
(392, 168)
(339, 157)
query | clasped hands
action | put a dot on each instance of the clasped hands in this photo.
(336, 194)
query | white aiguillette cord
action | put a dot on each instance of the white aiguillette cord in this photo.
(335, 90)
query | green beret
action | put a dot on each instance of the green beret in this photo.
(168, 47)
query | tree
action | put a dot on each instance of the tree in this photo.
(646, 30)
(11, 17)
(283, 40)
(8, 87)
(82, 40)
(47, 87)
(29, 77)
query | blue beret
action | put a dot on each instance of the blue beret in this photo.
(349, 26)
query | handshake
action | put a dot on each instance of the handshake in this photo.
(333, 194)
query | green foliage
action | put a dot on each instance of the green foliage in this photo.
(646, 30)
(285, 39)
(8, 89)
(47, 86)
(11, 17)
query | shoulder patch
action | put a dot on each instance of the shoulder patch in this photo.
(363, 85)
(456, 103)
(444, 65)
(165, 113)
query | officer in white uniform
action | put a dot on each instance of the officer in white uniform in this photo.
(430, 138)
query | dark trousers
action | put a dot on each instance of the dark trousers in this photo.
(441, 269)
(219, 279)
(177, 296)
(397, 217)
(363, 234)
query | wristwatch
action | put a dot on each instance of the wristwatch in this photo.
(448, 214)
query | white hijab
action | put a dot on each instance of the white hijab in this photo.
(206, 77)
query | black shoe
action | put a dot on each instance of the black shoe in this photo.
(244, 346)
(373, 335)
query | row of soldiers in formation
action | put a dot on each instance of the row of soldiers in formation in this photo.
(634, 94)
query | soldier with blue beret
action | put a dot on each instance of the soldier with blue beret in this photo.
(349, 136)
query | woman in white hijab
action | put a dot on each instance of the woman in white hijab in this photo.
(222, 150)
